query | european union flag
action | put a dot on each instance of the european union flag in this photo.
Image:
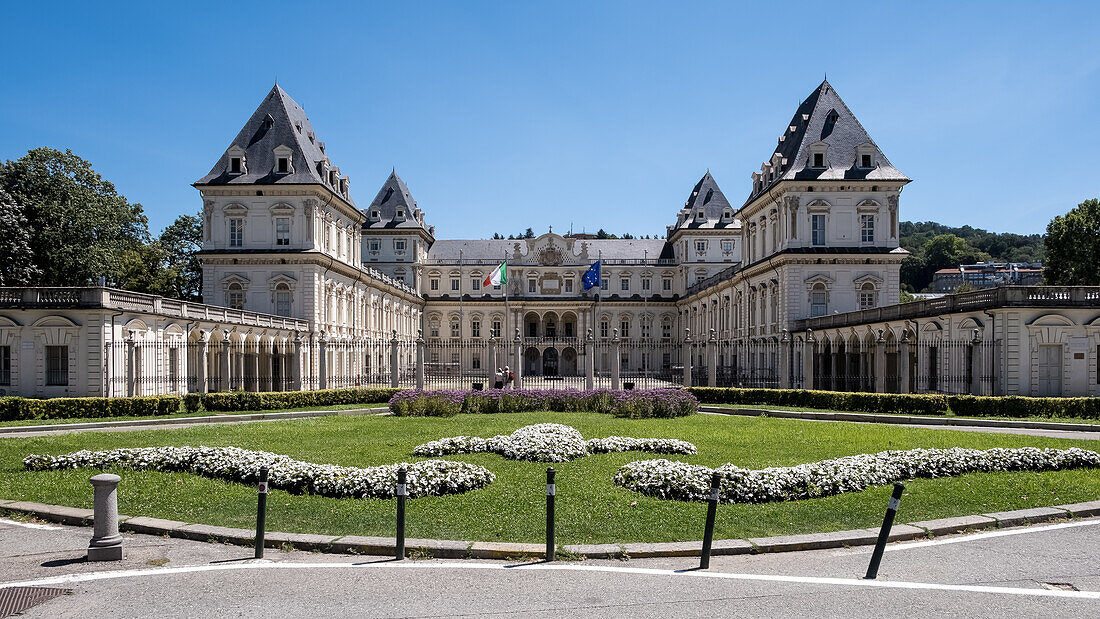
(591, 277)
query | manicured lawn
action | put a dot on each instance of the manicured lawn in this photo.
(40, 422)
(590, 509)
(949, 414)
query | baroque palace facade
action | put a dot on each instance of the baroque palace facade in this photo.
(795, 286)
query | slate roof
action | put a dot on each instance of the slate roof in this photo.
(495, 250)
(707, 197)
(394, 194)
(278, 121)
(824, 117)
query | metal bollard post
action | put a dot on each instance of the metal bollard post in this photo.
(402, 492)
(551, 490)
(708, 532)
(261, 512)
(884, 532)
(106, 544)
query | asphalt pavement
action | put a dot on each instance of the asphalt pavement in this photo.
(1039, 571)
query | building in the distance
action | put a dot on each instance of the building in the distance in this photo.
(795, 286)
(988, 275)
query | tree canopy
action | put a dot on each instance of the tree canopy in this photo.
(934, 246)
(1073, 247)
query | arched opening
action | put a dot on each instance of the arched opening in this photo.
(282, 300)
(568, 365)
(532, 362)
(550, 324)
(550, 362)
(234, 296)
(531, 324)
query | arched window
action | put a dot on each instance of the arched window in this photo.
(819, 300)
(282, 300)
(867, 296)
(234, 296)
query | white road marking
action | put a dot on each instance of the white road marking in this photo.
(811, 580)
(28, 525)
(971, 537)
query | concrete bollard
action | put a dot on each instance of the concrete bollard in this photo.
(106, 544)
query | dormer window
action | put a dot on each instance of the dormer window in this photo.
(235, 166)
(819, 160)
(700, 215)
(284, 162)
(284, 165)
(727, 214)
(401, 213)
(865, 161)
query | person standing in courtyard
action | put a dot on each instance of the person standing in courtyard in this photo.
(508, 378)
(498, 379)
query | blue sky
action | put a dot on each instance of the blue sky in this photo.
(501, 116)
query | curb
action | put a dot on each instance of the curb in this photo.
(904, 419)
(206, 419)
(453, 549)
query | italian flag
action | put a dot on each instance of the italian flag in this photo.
(497, 276)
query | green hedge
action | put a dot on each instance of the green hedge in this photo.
(909, 404)
(16, 408)
(248, 401)
(906, 404)
(1020, 406)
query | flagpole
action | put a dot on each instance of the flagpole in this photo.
(461, 318)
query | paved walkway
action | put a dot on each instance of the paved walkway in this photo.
(1045, 570)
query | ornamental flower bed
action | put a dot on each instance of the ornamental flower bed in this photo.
(634, 404)
(680, 481)
(427, 478)
(549, 442)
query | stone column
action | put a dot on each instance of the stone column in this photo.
(420, 357)
(712, 360)
(493, 357)
(106, 544)
(808, 354)
(296, 364)
(785, 361)
(395, 360)
(253, 361)
(903, 362)
(616, 359)
(518, 356)
(834, 368)
(322, 361)
(686, 357)
(976, 364)
(202, 362)
(589, 362)
(223, 360)
(131, 365)
(880, 363)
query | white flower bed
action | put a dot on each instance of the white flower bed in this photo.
(666, 479)
(427, 478)
(549, 442)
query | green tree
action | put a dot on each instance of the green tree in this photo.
(1073, 247)
(16, 258)
(79, 225)
(180, 243)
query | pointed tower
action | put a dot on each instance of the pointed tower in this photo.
(820, 225)
(396, 237)
(281, 233)
(706, 235)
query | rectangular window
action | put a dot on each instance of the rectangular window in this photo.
(666, 284)
(568, 285)
(435, 357)
(818, 303)
(57, 365)
(5, 365)
(666, 330)
(532, 285)
(454, 283)
(235, 165)
(865, 161)
(236, 232)
(624, 329)
(433, 283)
(645, 329)
(282, 302)
(284, 165)
(866, 299)
(817, 228)
(605, 283)
(604, 327)
(475, 363)
(374, 245)
(646, 283)
(434, 330)
(568, 329)
(867, 228)
(624, 360)
(454, 358)
(700, 247)
(727, 246)
(454, 329)
(819, 160)
(475, 283)
(282, 231)
(625, 284)
(399, 245)
(496, 328)
(475, 328)
(666, 360)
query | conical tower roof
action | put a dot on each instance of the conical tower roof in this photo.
(394, 207)
(706, 198)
